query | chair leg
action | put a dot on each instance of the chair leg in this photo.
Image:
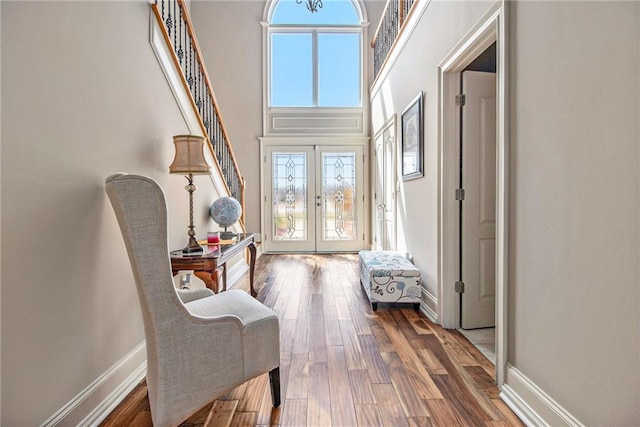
(274, 378)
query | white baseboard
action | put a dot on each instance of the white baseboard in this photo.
(531, 404)
(236, 270)
(429, 305)
(92, 405)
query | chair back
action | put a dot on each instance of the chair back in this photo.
(141, 210)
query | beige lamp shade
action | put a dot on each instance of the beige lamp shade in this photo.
(189, 155)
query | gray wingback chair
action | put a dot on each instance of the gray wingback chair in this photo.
(199, 344)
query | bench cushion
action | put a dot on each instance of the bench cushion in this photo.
(387, 276)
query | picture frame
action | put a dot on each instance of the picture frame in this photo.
(412, 139)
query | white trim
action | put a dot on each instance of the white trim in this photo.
(489, 28)
(429, 305)
(120, 379)
(408, 27)
(390, 124)
(271, 4)
(165, 59)
(236, 270)
(531, 404)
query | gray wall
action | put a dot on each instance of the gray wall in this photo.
(82, 97)
(574, 304)
(574, 239)
(230, 35)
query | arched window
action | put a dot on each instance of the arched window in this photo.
(314, 59)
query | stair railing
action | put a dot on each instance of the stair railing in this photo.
(178, 32)
(393, 18)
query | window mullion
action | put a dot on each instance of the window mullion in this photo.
(316, 67)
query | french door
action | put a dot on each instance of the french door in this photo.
(385, 177)
(314, 198)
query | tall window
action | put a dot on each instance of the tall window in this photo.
(315, 59)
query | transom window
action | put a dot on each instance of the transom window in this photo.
(315, 59)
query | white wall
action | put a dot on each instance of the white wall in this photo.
(230, 36)
(442, 25)
(82, 97)
(574, 242)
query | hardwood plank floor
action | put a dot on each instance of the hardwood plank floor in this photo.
(344, 365)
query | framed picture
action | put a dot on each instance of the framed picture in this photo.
(412, 141)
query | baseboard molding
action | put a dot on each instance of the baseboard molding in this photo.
(429, 305)
(531, 404)
(92, 405)
(236, 270)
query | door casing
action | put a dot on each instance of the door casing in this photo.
(491, 27)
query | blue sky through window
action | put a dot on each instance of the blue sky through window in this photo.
(336, 61)
(339, 70)
(291, 70)
(333, 12)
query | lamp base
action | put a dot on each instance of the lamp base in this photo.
(192, 247)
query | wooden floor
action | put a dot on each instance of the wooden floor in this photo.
(345, 365)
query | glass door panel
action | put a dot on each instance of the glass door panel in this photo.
(290, 211)
(339, 191)
(290, 196)
(314, 199)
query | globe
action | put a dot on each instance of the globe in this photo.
(225, 211)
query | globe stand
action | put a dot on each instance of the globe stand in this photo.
(225, 212)
(227, 235)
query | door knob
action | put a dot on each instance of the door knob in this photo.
(318, 204)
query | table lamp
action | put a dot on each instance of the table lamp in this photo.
(189, 160)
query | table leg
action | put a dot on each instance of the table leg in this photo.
(209, 279)
(224, 276)
(252, 264)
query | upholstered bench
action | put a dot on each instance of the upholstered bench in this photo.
(387, 276)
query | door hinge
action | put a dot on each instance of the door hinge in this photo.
(460, 287)
(459, 194)
(461, 100)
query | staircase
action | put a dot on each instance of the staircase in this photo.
(182, 61)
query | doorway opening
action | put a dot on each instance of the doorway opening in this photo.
(477, 203)
(475, 47)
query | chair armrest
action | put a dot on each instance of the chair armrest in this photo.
(195, 294)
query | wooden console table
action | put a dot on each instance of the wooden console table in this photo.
(213, 261)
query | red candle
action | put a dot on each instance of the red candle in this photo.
(213, 237)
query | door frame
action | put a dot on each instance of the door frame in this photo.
(267, 141)
(391, 126)
(492, 27)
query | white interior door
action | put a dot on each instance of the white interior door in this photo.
(314, 198)
(479, 205)
(385, 190)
